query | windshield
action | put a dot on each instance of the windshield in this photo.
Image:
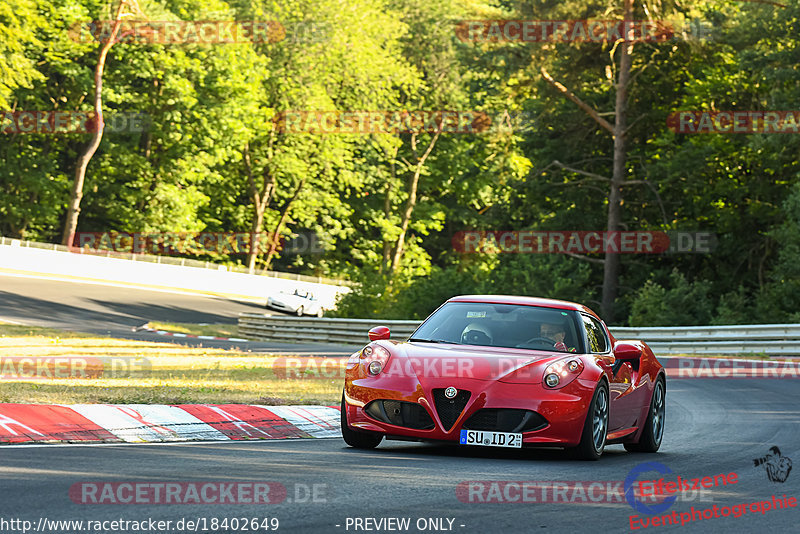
(502, 325)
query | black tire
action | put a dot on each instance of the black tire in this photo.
(595, 428)
(359, 440)
(299, 311)
(653, 431)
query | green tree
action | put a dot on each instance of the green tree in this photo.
(19, 22)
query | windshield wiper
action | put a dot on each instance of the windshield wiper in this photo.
(420, 340)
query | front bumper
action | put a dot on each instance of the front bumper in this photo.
(563, 410)
(281, 306)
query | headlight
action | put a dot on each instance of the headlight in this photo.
(375, 358)
(562, 372)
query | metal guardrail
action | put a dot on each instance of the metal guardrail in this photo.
(312, 329)
(770, 339)
(169, 260)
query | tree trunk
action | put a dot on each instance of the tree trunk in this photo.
(406, 220)
(611, 266)
(387, 213)
(261, 199)
(76, 196)
(275, 237)
(387, 244)
(255, 234)
(412, 200)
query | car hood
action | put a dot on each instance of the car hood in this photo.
(434, 361)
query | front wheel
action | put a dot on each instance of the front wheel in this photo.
(653, 431)
(299, 311)
(359, 440)
(595, 429)
(320, 313)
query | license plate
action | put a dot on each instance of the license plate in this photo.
(491, 439)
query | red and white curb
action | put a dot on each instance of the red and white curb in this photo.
(175, 334)
(139, 423)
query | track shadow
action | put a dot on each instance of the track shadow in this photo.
(549, 454)
(39, 308)
(106, 311)
(144, 312)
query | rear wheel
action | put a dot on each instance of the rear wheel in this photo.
(595, 429)
(359, 440)
(653, 431)
(299, 311)
(320, 312)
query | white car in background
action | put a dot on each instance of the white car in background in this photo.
(300, 303)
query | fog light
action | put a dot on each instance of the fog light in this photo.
(552, 380)
(375, 367)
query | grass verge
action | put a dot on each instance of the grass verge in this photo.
(218, 330)
(43, 365)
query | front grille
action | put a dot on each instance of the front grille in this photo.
(450, 409)
(505, 420)
(399, 413)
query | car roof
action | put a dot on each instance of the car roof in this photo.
(524, 301)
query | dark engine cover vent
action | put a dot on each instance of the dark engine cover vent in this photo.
(400, 413)
(505, 420)
(450, 409)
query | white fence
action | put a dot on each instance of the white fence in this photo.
(158, 272)
(775, 339)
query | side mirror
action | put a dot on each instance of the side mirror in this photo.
(379, 332)
(627, 351)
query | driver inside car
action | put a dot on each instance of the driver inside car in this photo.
(556, 333)
(476, 334)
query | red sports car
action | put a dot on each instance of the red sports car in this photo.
(505, 371)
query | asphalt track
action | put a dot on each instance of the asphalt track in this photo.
(713, 427)
(116, 311)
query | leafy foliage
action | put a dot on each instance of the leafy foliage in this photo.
(210, 107)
